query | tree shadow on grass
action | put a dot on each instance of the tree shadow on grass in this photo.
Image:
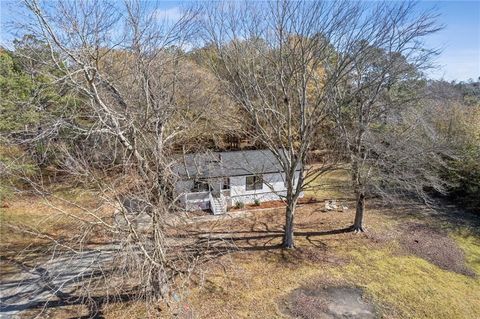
(201, 244)
(256, 240)
(56, 283)
(94, 304)
(443, 214)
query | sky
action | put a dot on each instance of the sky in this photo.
(459, 41)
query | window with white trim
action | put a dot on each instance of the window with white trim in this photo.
(254, 182)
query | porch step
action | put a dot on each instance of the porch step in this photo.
(217, 206)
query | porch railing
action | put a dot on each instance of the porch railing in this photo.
(204, 195)
(197, 196)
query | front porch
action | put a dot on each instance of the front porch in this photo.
(216, 201)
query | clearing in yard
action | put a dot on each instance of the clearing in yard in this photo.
(413, 262)
(334, 273)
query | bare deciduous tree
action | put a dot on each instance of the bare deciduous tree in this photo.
(123, 64)
(286, 63)
(278, 62)
(390, 144)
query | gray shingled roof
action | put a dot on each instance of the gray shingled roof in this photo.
(218, 164)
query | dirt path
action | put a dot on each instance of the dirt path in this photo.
(328, 303)
(52, 283)
(55, 282)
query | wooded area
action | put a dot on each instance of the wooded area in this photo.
(108, 96)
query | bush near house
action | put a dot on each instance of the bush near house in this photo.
(239, 205)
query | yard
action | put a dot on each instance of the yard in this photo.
(153, 154)
(413, 262)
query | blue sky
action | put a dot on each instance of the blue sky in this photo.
(459, 41)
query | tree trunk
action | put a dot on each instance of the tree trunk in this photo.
(358, 223)
(159, 277)
(288, 240)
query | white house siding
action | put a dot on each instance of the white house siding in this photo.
(273, 189)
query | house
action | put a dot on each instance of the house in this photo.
(219, 180)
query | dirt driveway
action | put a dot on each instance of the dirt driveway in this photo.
(51, 283)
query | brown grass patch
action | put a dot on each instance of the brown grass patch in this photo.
(434, 246)
(275, 204)
(28, 224)
(315, 255)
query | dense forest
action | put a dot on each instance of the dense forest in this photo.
(43, 119)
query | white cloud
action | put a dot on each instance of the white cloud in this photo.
(172, 14)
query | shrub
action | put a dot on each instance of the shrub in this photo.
(239, 205)
(256, 202)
